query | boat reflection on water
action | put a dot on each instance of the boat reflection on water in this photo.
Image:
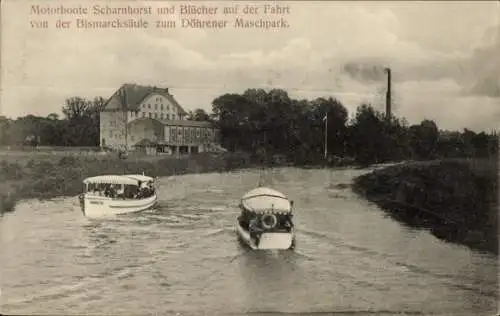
(267, 276)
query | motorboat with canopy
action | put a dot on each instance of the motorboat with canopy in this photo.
(265, 221)
(109, 195)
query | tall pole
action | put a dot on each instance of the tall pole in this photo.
(126, 129)
(388, 95)
(326, 134)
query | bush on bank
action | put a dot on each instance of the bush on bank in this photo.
(456, 200)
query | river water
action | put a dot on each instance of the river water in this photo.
(183, 258)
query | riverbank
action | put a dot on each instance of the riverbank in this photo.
(45, 176)
(456, 200)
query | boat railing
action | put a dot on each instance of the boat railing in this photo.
(119, 196)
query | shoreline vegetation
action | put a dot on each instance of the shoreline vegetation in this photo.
(456, 200)
(449, 185)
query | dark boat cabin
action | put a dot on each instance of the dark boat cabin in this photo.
(268, 220)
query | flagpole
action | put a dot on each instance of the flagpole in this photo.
(326, 135)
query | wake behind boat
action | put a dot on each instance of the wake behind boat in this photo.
(109, 195)
(266, 220)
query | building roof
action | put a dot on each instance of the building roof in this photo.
(129, 96)
(187, 123)
(146, 120)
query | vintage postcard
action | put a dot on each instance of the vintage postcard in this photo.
(249, 157)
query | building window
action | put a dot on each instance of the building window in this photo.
(143, 114)
(168, 116)
(144, 106)
(110, 134)
(149, 114)
(197, 132)
(173, 117)
(156, 115)
(156, 106)
(161, 116)
(149, 106)
(161, 106)
(168, 107)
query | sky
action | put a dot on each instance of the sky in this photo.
(444, 56)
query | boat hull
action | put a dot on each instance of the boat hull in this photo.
(99, 207)
(268, 240)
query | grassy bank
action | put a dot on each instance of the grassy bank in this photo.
(43, 175)
(457, 200)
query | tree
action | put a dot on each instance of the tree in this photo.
(53, 116)
(198, 115)
(424, 139)
(76, 107)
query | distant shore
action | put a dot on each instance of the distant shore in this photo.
(48, 172)
(456, 200)
(45, 175)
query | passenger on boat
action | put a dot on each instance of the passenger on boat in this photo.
(287, 223)
(110, 192)
(137, 193)
(120, 192)
(254, 228)
(144, 189)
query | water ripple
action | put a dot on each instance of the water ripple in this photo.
(183, 258)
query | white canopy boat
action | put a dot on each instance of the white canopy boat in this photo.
(266, 220)
(110, 195)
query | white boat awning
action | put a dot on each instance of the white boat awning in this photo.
(266, 200)
(112, 179)
(263, 191)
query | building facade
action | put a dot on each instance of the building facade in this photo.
(141, 116)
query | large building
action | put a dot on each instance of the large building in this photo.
(150, 117)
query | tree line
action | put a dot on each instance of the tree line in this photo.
(271, 122)
(79, 126)
(256, 120)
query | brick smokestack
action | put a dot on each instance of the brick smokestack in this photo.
(388, 113)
